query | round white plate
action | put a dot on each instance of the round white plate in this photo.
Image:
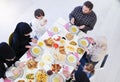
(14, 77)
(56, 78)
(73, 29)
(36, 51)
(83, 42)
(55, 29)
(71, 59)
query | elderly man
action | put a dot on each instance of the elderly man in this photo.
(83, 17)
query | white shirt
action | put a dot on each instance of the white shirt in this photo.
(38, 30)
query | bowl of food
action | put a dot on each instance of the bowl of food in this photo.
(80, 50)
(36, 51)
(14, 72)
(56, 78)
(41, 76)
(71, 59)
(82, 42)
(55, 29)
(73, 29)
(30, 77)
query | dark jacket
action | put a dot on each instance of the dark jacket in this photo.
(19, 40)
(6, 52)
(88, 20)
(80, 76)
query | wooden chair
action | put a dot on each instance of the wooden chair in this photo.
(10, 38)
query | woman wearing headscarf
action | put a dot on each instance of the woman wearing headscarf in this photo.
(21, 39)
(7, 58)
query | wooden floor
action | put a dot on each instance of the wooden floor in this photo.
(108, 24)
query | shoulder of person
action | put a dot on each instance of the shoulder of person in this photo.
(78, 7)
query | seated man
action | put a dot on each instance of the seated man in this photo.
(83, 17)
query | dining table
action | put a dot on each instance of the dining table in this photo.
(57, 52)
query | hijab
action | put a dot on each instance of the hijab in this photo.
(22, 28)
(6, 51)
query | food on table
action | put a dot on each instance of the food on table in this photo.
(74, 29)
(57, 78)
(49, 42)
(16, 71)
(55, 45)
(83, 42)
(21, 81)
(80, 50)
(73, 43)
(62, 41)
(40, 43)
(30, 77)
(59, 57)
(69, 36)
(71, 58)
(41, 63)
(56, 37)
(49, 72)
(31, 64)
(70, 48)
(62, 50)
(41, 76)
(47, 58)
(36, 50)
(55, 29)
(56, 67)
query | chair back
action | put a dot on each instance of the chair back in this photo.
(104, 61)
(10, 38)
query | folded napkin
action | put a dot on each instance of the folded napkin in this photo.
(29, 54)
(7, 80)
(50, 33)
(67, 26)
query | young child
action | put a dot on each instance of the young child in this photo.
(38, 23)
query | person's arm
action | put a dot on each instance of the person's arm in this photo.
(72, 15)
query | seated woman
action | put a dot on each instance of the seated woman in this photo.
(21, 38)
(7, 58)
(96, 52)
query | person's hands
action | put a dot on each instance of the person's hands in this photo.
(66, 72)
(34, 40)
(86, 49)
(44, 22)
(78, 63)
(81, 27)
(72, 21)
(28, 46)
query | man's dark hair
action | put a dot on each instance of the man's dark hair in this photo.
(89, 4)
(39, 12)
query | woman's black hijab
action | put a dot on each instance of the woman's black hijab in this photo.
(6, 52)
(22, 28)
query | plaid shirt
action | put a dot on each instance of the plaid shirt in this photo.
(88, 20)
